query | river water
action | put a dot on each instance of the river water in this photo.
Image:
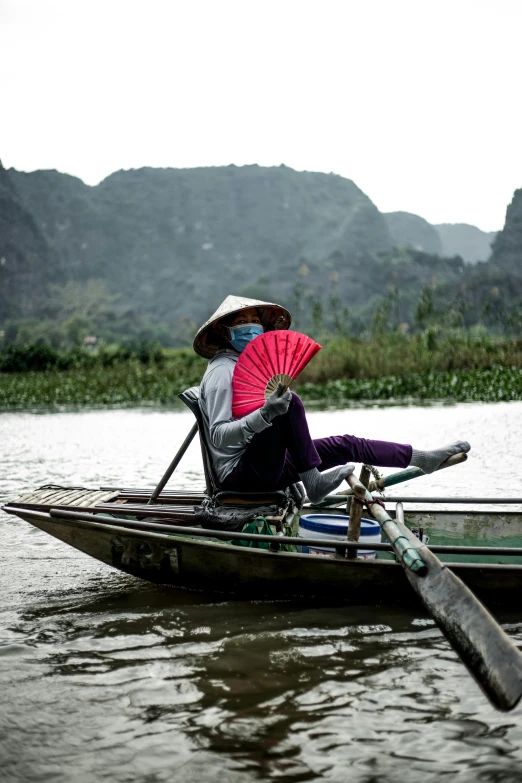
(104, 677)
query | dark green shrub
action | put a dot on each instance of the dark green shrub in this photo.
(24, 358)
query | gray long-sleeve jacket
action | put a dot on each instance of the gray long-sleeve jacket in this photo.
(227, 437)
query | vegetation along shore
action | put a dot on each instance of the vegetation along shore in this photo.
(434, 365)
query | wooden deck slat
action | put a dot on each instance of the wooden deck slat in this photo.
(66, 497)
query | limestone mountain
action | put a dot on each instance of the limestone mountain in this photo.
(174, 241)
(410, 230)
(27, 262)
(469, 242)
(443, 239)
(157, 249)
(507, 246)
(491, 292)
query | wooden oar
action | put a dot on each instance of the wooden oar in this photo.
(411, 473)
(389, 481)
(489, 654)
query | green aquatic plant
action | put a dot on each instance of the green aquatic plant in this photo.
(135, 383)
(126, 383)
(496, 384)
(433, 365)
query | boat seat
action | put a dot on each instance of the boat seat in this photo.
(220, 496)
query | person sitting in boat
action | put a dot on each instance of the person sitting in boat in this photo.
(271, 448)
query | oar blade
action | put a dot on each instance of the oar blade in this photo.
(489, 654)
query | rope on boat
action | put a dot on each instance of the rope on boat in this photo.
(376, 474)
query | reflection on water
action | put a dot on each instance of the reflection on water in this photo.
(105, 677)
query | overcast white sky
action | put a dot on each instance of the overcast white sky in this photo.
(417, 101)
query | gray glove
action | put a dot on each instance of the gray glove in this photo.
(276, 405)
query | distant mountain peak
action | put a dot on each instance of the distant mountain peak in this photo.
(465, 240)
(410, 230)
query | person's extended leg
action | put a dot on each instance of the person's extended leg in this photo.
(336, 450)
(385, 454)
(382, 453)
(285, 453)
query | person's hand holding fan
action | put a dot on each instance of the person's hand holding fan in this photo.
(272, 358)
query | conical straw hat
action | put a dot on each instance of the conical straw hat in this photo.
(272, 316)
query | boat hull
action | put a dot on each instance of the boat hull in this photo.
(197, 564)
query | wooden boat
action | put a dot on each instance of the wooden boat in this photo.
(165, 543)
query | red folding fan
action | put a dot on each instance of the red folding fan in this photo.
(271, 358)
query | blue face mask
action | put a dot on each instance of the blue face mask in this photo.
(240, 336)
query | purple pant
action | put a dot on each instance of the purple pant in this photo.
(275, 457)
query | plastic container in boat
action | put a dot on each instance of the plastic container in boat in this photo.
(335, 526)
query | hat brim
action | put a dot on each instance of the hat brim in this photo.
(272, 316)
